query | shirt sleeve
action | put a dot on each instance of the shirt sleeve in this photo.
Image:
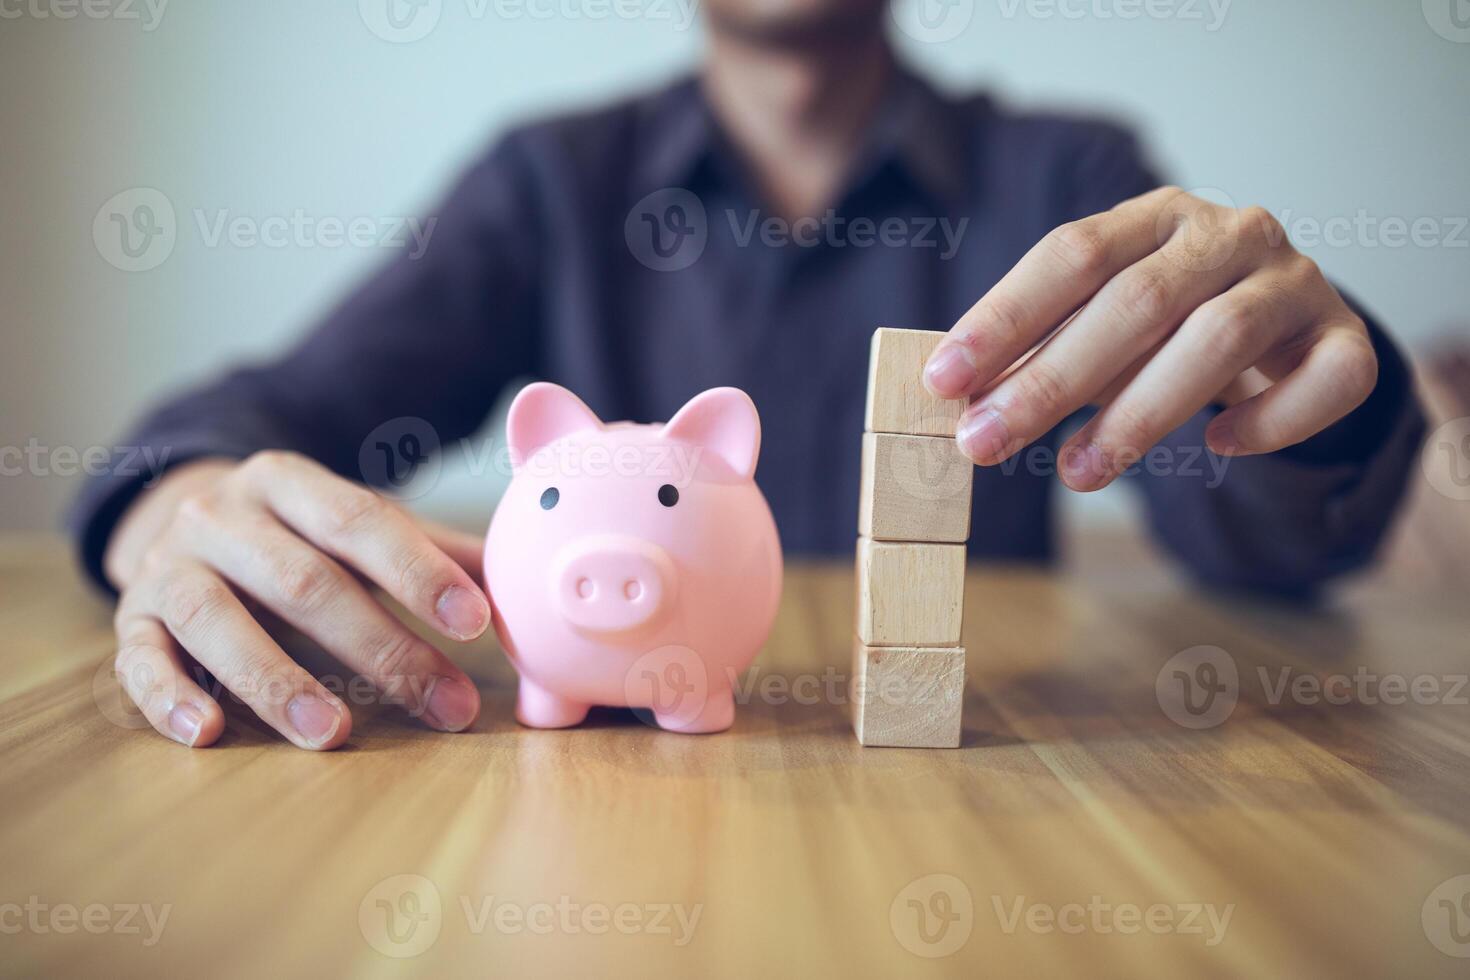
(424, 346)
(1288, 521)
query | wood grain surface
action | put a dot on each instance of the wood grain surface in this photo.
(1078, 830)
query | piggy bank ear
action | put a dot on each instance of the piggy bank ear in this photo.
(723, 421)
(541, 414)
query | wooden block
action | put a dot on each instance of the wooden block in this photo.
(909, 595)
(914, 488)
(897, 399)
(908, 696)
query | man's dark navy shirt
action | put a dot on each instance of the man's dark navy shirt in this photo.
(544, 263)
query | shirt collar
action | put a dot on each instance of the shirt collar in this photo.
(677, 134)
(916, 129)
(924, 135)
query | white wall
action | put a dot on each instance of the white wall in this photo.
(1315, 108)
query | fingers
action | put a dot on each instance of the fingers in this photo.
(151, 672)
(466, 550)
(317, 596)
(375, 537)
(1219, 340)
(1337, 375)
(206, 618)
(1132, 314)
(1052, 280)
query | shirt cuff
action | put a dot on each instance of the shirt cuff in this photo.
(104, 498)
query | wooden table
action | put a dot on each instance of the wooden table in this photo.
(1078, 831)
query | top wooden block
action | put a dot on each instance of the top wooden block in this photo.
(897, 399)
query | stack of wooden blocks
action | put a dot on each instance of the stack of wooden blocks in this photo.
(913, 521)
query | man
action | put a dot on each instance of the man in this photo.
(1195, 325)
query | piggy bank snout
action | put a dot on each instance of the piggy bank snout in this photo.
(611, 584)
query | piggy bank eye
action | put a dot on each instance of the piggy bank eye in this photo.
(668, 495)
(549, 498)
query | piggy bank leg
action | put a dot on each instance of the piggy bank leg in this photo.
(537, 707)
(715, 714)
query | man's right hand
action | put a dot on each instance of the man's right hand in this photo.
(216, 539)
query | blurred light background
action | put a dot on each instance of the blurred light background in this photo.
(1351, 112)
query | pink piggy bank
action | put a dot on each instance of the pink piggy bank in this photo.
(632, 565)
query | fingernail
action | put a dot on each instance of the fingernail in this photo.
(185, 721)
(463, 612)
(1222, 439)
(1083, 468)
(453, 704)
(984, 436)
(313, 718)
(950, 372)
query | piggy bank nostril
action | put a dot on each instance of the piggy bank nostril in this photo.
(632, 589)
(585, 588)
